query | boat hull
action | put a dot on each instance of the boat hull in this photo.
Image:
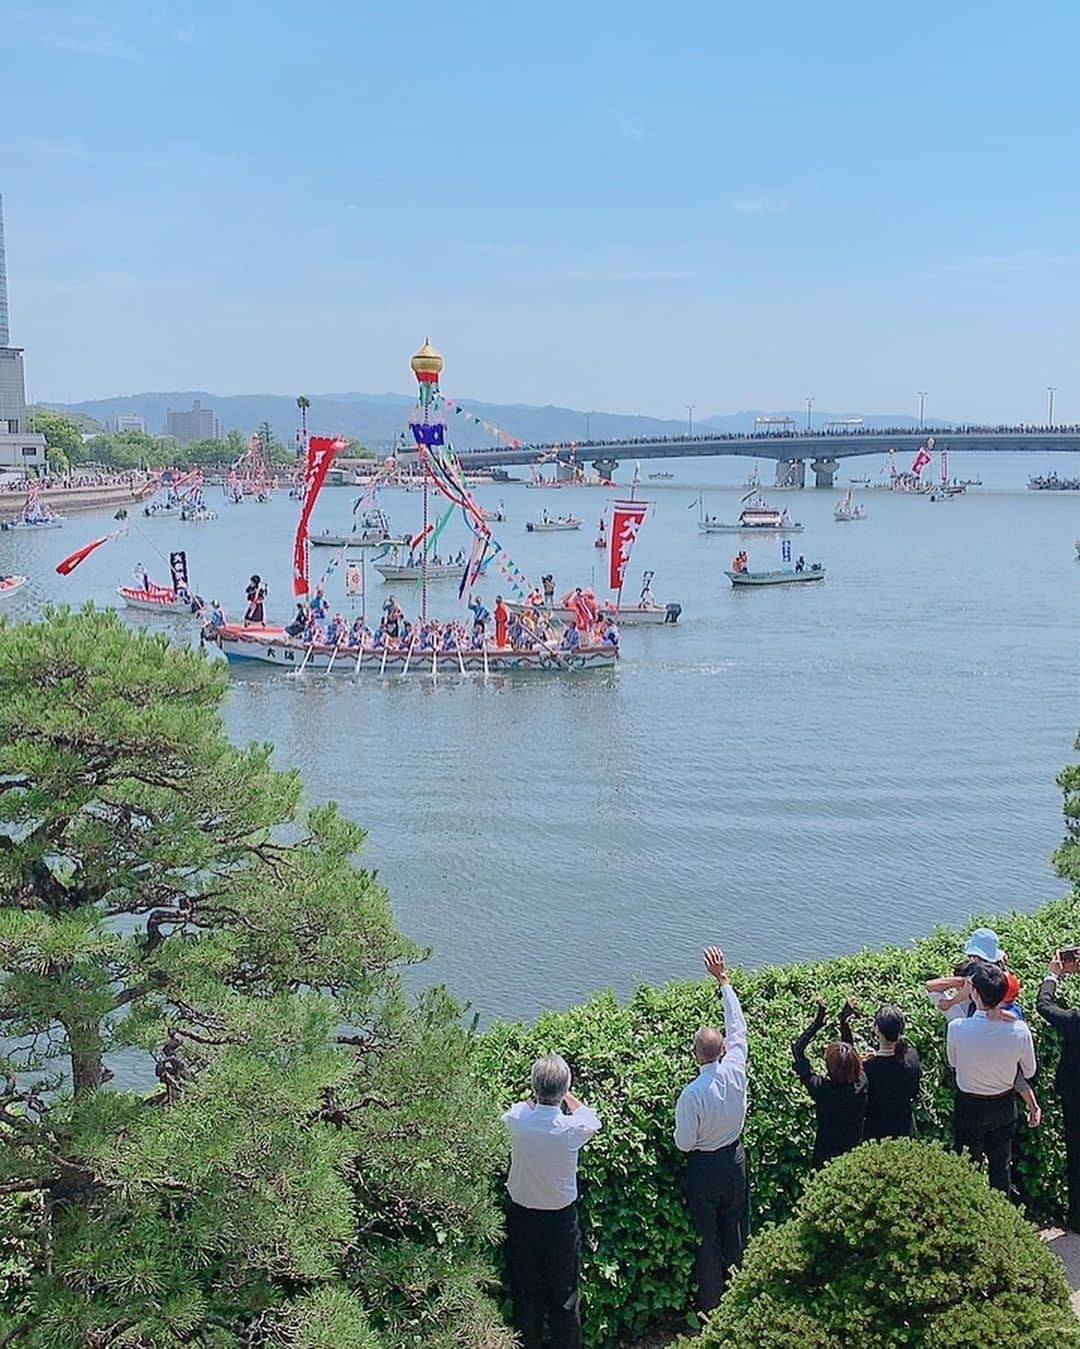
(629, 616)
(271, 647)
(149, 603)
(356, 541)
(749, 579)
(718, 528)
(57, 522)
(532, 527)
(401, 574)
(11, 586)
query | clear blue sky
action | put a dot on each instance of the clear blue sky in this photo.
(625, 207)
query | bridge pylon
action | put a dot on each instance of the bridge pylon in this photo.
(790, 473)
(824, 471)
(606, 467)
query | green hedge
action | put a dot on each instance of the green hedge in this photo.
(897, 1243)
(631, 1060)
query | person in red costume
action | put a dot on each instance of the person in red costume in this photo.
(501, 616)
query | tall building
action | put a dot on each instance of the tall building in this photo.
(20, 449)
(198, 424)
(126, 421)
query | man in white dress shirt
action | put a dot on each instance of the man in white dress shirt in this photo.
(709, 1118)
(546, 1134)
(987, 1053)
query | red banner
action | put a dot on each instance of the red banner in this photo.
(920, 461)
(626, 520)
(68, 564)
(320, 453)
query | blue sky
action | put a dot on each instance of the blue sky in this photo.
(626, 207)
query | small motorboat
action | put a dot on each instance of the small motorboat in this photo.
(661, 477)
(9, 585)
(197, 515)
(552, 524)
(756, 517)
(785, 577)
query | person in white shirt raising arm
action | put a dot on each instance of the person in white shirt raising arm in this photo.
(709, 1119)
(547, 1132)
(986, 1054)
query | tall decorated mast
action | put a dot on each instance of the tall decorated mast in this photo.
(429, 428)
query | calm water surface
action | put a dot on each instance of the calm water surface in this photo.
(791, 772)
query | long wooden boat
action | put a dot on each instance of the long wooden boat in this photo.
(11, 585)
(436, 571)
(786, 577)
(363, 538)
(272, 646)
(630, 615)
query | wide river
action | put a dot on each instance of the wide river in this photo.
(791, 772)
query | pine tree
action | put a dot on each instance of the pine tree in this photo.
(298, 1153)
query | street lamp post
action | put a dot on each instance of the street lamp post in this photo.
(922, 408)
(1050, 391)
(690, 420)
(809, 414)
(588, 427)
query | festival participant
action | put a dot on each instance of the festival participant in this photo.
(542, 1238)
(893, 1073)
(255, 614)
(480, 616)
(1066, 1021)
(800, 563)
(571, 639)
(987, 1055)
(610, 635)
(709, 1118)
(392, 617)
(299, 623)
(839, 1097)
(502, 614)
(548, 583)
(217, 614)
(318, 604)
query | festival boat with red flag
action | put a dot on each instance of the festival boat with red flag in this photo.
(315, 641)
(35, 514)
(153, 598)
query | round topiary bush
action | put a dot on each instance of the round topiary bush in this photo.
(897, 1243)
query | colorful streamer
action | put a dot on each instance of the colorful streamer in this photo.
(320, 454)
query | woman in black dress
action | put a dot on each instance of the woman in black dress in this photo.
(254, 614)
(892, 1076)
(839, 1097)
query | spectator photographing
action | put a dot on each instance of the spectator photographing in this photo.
(987, 1053)
(893, 1073)
(547, 1132)
(1066, 1021)
(840, 1096)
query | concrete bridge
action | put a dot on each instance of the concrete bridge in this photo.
(792, 451)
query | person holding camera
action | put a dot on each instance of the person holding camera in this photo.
(547, 1131)
(987, 1053)
(709, 1118)
(1066, 1021)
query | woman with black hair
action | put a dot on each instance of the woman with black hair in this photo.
(840, 1096)
(255, 614)
(892, 1073)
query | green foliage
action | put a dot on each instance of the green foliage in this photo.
(897, 1243)
(631, 1061)
(63, 435)
(309, 1171)
(130, 449)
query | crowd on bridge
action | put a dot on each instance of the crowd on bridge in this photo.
(862, 1094)
(65, 482)
(826, 432)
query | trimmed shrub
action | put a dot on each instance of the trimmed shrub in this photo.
(631, 1060)
(897, 1243)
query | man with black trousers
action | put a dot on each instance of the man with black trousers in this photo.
(1066, 1021)
(709, 1119)
(547, 1132)
(986, 1054)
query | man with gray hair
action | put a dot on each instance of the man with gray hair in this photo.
(547, 1132)
(709, 1119)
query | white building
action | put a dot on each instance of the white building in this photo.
(20, 450)
(126, 421)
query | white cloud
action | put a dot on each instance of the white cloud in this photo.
(761, 205)
(67, 33)
(631, 129)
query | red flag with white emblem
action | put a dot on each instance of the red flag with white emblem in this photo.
(626, 519)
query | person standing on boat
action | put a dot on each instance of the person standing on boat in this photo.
(255, 614)
(299, 623)
(502, 616)
(709, 1118)
(480, 617)
(548, 583)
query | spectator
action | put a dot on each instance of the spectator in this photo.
(840, 1096)
(547, 1132)
(893, 1073)
(709, 1118)
(987, 1053)
(1066, 1021)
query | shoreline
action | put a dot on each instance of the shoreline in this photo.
(70, 500)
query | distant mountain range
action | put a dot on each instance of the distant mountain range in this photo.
(377, 419)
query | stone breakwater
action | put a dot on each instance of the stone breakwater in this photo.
(68, 500)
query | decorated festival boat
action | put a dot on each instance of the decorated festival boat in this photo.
(756, 517)
(846, 510)
(35, 514)
(416, 571)
(11, 585)
(152, 598)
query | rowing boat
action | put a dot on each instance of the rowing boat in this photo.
(10, 585)
(629, 615)
(786, 577)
